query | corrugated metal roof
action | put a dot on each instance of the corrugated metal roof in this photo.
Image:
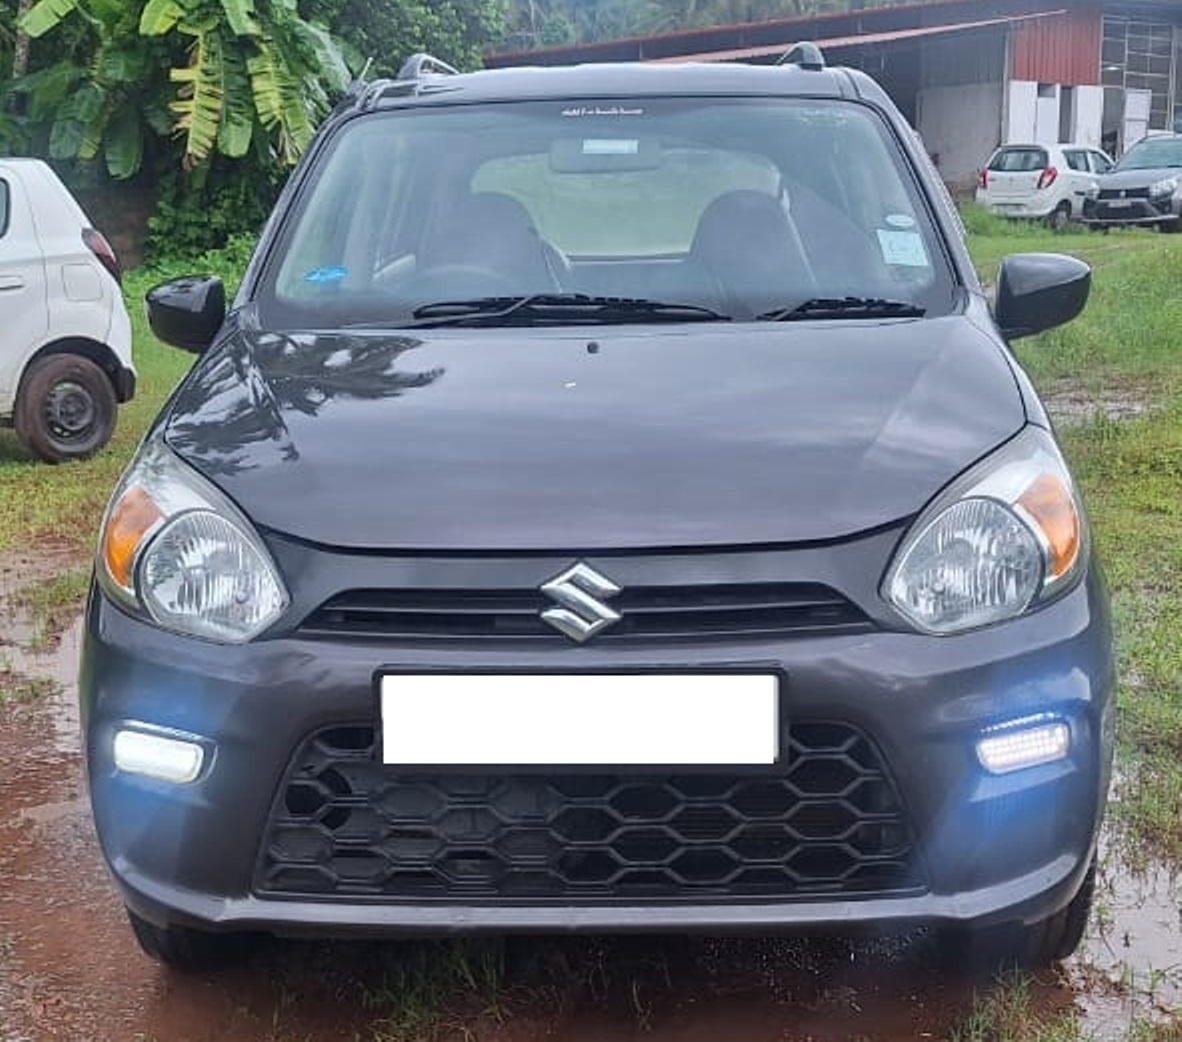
(838, 42)
(1065, 51)
(797, 27)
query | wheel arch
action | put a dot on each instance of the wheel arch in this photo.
(94, 350)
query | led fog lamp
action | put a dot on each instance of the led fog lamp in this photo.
(1024, 744)
(169, 758)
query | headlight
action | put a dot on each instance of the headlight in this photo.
(1166, 186)
(175, 548)
(1008, 534)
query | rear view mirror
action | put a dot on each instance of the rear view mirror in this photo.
(601, 153)
(187, 313)
(1038, 291)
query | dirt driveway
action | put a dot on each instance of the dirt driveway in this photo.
(70, 970)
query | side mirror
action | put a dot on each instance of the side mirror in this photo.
(1037, 291)
(188, 312)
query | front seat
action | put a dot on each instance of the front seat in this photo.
(747, 244)
(493, 231)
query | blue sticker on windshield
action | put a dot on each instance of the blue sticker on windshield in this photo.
(326, 276)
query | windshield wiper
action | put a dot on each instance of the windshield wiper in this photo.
(844, 307)
(557, 308)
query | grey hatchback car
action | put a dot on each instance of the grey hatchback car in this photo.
(609, 504)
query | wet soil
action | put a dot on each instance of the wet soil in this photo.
(1071, 403)
(70, 969)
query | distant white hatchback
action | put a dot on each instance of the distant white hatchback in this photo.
(65, 338)
(1041, 182)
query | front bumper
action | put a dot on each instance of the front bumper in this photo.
(992, 848)
(125, 385)
(1109, 213)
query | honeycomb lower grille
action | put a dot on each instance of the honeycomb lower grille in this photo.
(828, 822)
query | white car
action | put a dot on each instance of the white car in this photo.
(1041, 182)
(65, 338)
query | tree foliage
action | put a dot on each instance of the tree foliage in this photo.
(224, 76)
(387, 31)
(542, 23)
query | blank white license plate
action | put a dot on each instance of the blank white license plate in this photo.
(530, 719)
(1118, 204)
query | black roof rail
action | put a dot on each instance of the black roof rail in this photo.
(804, 54)
(417, 66)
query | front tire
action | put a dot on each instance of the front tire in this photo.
(65, 408)
(1027, 946)
(186, 950)
(1171, 227)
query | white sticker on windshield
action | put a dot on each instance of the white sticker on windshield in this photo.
(904, 249)
(610, 147)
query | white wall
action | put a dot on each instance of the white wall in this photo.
(1021, 111)
(1089, 116)
(1046, 115)
(1030, 118)
(961, 125)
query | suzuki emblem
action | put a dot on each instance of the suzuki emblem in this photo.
(580, 592)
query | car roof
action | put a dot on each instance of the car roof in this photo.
(24, 161)
(619, 79)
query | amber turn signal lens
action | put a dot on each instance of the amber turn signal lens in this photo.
(132, 518)
(1050, 504)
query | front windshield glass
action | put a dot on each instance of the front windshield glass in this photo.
(1152, 154)
(738, 206)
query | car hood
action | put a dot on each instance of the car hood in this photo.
(1137, 178)
(625, 437)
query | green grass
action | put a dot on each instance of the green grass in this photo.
(1008, 1012)
(1130, 328)
(51, 604)
(16, 689)
(1132, 478)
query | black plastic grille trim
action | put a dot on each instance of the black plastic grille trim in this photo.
(1124, 193)
(654, 612)
(828, 823)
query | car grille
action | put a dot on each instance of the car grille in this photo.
(828, 822)
(1124, 193)
(654, 612)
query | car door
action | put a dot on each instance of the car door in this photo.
(24, 317)
(1079, 177)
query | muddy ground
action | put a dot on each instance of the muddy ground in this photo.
(69, 968)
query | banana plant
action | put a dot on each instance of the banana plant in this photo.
(242, 70)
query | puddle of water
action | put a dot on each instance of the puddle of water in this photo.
(1130, 963)
(59, 664)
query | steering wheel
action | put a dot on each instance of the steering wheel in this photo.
(460, 281)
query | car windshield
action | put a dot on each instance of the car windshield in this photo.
(603, 210)
(1153, 154)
